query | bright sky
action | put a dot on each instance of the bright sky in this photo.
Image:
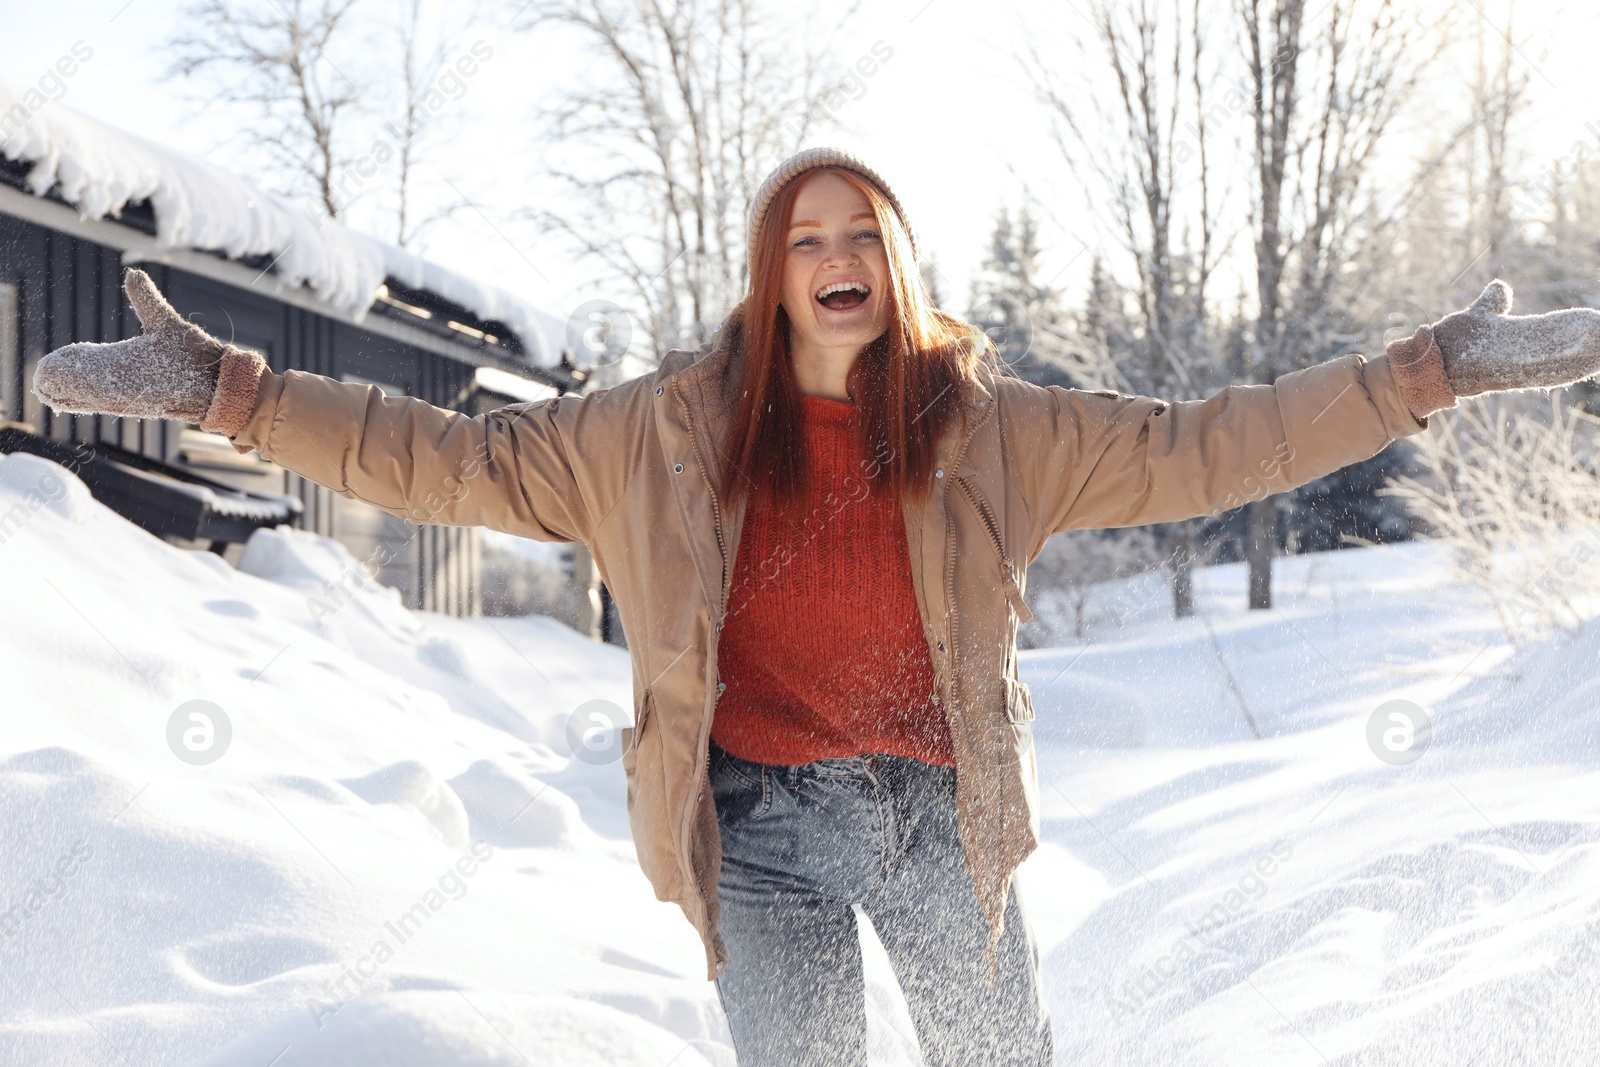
(948, 118)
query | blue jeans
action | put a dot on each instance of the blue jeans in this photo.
(800, 845)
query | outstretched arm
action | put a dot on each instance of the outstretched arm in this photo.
(546, 470)
(1100, 460)
(1127, 461)
(519, 469)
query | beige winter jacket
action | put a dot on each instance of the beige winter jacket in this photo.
(630, 471)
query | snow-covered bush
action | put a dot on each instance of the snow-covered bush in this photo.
(1511, 484)
(1064, 579)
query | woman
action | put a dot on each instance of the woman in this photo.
(816, 529)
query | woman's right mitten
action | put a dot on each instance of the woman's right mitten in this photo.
(174, 370)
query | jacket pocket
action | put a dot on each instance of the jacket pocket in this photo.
(633, 735)
(1019, 713)
(1019, 702)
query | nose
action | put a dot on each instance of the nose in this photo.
(841, 252)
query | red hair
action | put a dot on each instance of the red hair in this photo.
(907, 384)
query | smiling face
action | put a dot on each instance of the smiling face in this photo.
(835, 271)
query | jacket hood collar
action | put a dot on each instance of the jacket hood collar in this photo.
(711, 383)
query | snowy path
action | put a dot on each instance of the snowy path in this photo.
(396, 860)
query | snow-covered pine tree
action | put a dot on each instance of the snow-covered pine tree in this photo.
(1025, 316)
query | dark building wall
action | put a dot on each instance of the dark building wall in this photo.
(68, 289)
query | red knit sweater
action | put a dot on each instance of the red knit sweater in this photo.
(822, 649)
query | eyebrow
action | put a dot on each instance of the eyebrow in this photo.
(814, 222)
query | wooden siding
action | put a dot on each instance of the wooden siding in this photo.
(69, 289)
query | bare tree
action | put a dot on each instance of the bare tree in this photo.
(687, 107)
(1499, 95)
(334, 96)
(1142, 149)
(1323, 100)
(1484, 216)
(274, 60)
(424, 63)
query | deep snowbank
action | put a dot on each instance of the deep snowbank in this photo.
(205, 913)
(397, 861)
(1296, 899)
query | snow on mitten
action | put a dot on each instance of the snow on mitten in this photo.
(174, 370)
(1483, 350)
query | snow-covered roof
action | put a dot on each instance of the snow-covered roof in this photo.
(100, 169)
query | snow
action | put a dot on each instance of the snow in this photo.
(397, 860)
(1295, 899)
(100, 169)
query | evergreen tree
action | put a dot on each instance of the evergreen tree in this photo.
(932, 279)
(1024, 316)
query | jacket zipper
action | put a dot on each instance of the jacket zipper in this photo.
(950, 563)
(950, 560)
(1008, 571)
(703, 772)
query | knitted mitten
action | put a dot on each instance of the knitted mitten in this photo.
(1482, 350)
(174, 370)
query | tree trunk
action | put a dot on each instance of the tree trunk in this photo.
(1183, 572)
(1259, 531)
(589, 616)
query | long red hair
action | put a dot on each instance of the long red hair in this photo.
(907, 384)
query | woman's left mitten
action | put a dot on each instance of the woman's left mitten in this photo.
(1486, 350)
(1481, 349)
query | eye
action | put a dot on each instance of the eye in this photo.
(868, 233)
(803, 240)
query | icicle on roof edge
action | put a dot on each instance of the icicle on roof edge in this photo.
(100, 169)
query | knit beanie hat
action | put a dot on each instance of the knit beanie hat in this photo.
(810, 159)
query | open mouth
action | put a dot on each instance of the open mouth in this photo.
(843, 296)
